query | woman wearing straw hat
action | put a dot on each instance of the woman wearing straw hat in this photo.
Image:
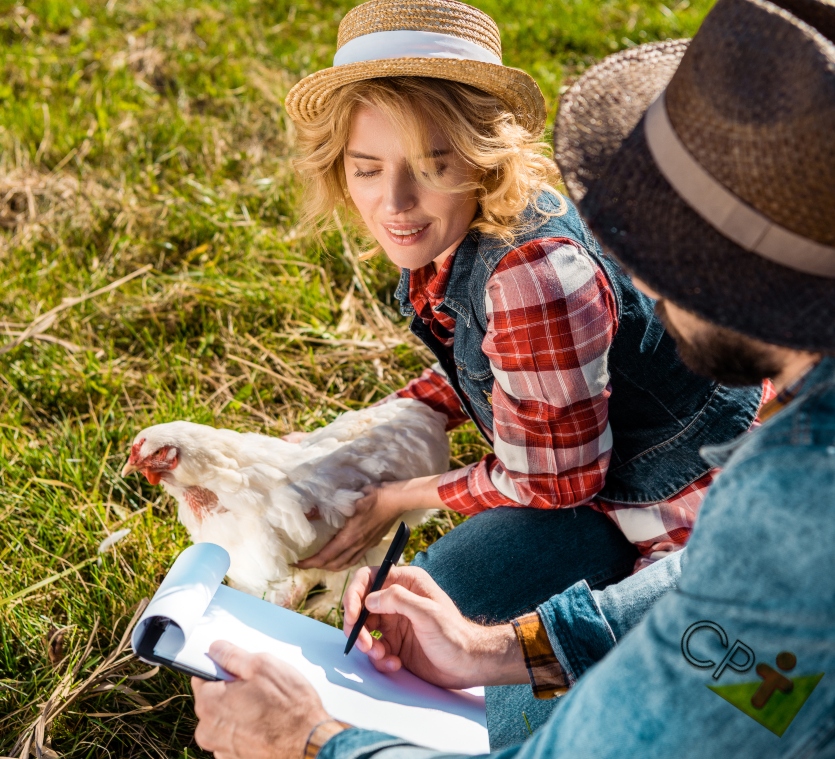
(421, 133)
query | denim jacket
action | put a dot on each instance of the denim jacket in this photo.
(755, 603)
(659, 411)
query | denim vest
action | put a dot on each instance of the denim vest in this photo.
(659, 411)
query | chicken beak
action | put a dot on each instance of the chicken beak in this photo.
(129, 468)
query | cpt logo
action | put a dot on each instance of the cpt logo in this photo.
(774, 700)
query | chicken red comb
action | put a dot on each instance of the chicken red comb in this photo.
(134, 451)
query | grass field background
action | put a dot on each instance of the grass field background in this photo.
(147, 140)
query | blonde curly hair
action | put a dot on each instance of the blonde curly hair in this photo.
(511, 166)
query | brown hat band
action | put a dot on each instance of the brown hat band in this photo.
(723, 210)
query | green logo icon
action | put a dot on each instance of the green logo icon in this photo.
(774, 700)
(780, 709)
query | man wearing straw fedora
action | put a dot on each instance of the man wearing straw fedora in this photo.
(708, 169)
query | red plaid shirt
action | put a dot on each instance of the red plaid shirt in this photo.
(551, 319)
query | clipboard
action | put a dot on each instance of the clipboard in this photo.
(192, 609)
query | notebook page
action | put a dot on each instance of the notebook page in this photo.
(350, 688)
(184, 594)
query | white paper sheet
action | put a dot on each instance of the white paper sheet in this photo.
(350, 688)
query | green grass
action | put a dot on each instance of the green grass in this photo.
(136, 133)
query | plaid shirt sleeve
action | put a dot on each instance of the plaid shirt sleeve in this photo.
(546, 674)
(432, 389)
(551, 318)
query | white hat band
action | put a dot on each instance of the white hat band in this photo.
(723, 210)
(405, 43)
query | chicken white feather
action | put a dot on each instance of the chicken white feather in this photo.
(251, 493)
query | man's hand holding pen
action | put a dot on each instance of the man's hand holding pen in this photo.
(423, 631)
(270, 710)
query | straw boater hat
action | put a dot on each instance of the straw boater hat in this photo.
(440, 39)
(708, 169)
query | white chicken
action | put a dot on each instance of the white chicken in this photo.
(251, 493)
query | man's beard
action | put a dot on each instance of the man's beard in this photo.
(722, 355)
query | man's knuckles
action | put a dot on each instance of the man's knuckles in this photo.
(392, 600)
(260, 663)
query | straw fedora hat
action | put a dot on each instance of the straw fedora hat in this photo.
(708, 168)
(440, 39)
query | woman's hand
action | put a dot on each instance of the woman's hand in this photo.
(267, 713)
(295, 437)
(423, 631)
(376, 512)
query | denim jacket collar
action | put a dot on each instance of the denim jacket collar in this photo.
(457, 293)
(823, 373)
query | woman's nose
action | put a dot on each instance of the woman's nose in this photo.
(401, 191)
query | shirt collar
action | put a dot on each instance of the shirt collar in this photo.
(429, 283)
(823, 371)
(784, 397)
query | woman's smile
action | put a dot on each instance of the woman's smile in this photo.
(406, 234)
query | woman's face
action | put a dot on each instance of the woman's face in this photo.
(413, 223)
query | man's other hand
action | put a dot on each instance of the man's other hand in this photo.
(423, 631)
(267, 713)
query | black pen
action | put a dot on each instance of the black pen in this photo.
(392, 557)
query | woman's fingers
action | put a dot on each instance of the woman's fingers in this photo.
(341, 553)
(344, 550)
(295, 437)
(338, 545)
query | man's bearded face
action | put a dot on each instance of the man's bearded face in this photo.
(716, 352)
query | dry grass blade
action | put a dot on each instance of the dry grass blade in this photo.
(66, 344)
(140, 710)
(382, 326)
(46, 320)
(298, 384)
(35, 737)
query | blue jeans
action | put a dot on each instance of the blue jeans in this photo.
(505, 562)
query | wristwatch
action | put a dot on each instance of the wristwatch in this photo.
(321, 734)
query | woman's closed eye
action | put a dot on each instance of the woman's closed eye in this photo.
(360, 173)
(438, 171)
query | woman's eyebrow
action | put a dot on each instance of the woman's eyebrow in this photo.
(362, 156)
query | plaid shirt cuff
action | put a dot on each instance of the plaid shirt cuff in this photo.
(321, 734)
(547, 676)
(469, 490)
(432, 389)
